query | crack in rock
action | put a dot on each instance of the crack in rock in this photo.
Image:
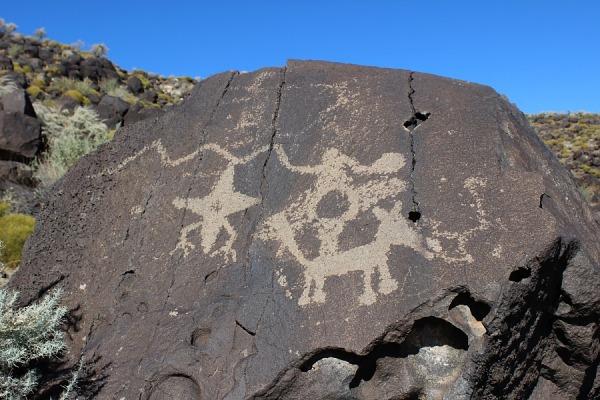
(411, 124)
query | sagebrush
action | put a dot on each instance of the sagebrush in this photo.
(71, 135)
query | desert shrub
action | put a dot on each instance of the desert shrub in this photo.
(6, 28)
(52, 70)
(15, 229)
(99, 50)
(113, 87)
(40, 33)
(15, 50)
(7, 85)
(39, 81)
(34, 90)
(78, 96)
(63, 84)
(27, 335)
(71, 135)
(144, 79)
(22, 69)
(166, 97)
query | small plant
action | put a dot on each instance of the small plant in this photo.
(15, 50)
(34, 90)
(113, 87)
(77, 96)
(7, 85)
(6, 28)
(15, 229)
(70, 137)
(63, 84)
(27, 335)
(40, 33)
(99, 50)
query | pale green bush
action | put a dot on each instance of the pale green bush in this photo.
(29, 334)
(113, 87)
(7, 85)
(26, 335)
(71, 135)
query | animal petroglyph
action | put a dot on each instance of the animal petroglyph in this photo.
(215, 208)
(340, 173)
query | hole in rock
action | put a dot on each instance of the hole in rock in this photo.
(479, 309)
(520, 274)
(425, 332)
(422, 116)
(414, 216)
(416, 119)
(330, 353)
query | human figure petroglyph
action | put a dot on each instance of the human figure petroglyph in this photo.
(338, 172)
(215, 209)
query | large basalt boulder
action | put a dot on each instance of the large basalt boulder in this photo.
(325, 231)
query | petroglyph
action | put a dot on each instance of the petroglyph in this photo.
(460, 254)
(338, 173)
(215, 208)
(339, 179)
(165, 159)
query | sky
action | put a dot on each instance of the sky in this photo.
(543, 55)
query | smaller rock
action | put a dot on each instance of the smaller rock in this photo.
(134, 84)
(18, 101)
(20, 136)
(16, 172)
(150, 96)
(6, 63)
(31, 51)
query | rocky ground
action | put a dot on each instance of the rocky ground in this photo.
(575, 139)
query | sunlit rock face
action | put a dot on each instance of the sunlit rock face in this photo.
(325, 231)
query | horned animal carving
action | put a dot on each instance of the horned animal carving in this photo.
(339, 173)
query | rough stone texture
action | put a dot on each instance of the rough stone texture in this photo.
(18, 101)
(325, 231)
(20, 136)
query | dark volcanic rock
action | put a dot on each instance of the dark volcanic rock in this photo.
(20, 136)
(18, 101)
(325, 231)
(134, 84)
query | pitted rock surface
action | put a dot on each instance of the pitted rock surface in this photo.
(325, 231)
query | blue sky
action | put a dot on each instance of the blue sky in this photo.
(544, 55)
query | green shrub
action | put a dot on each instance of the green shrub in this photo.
(40, 33)
(15, 229)
(78, 96)
(144, 79)
(62, 85)
(113, 87)
(39, 81)
(34, 90)
(52, 70)
(14, 51)
(71, 135)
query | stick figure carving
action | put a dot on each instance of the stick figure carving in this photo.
(215, 209)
